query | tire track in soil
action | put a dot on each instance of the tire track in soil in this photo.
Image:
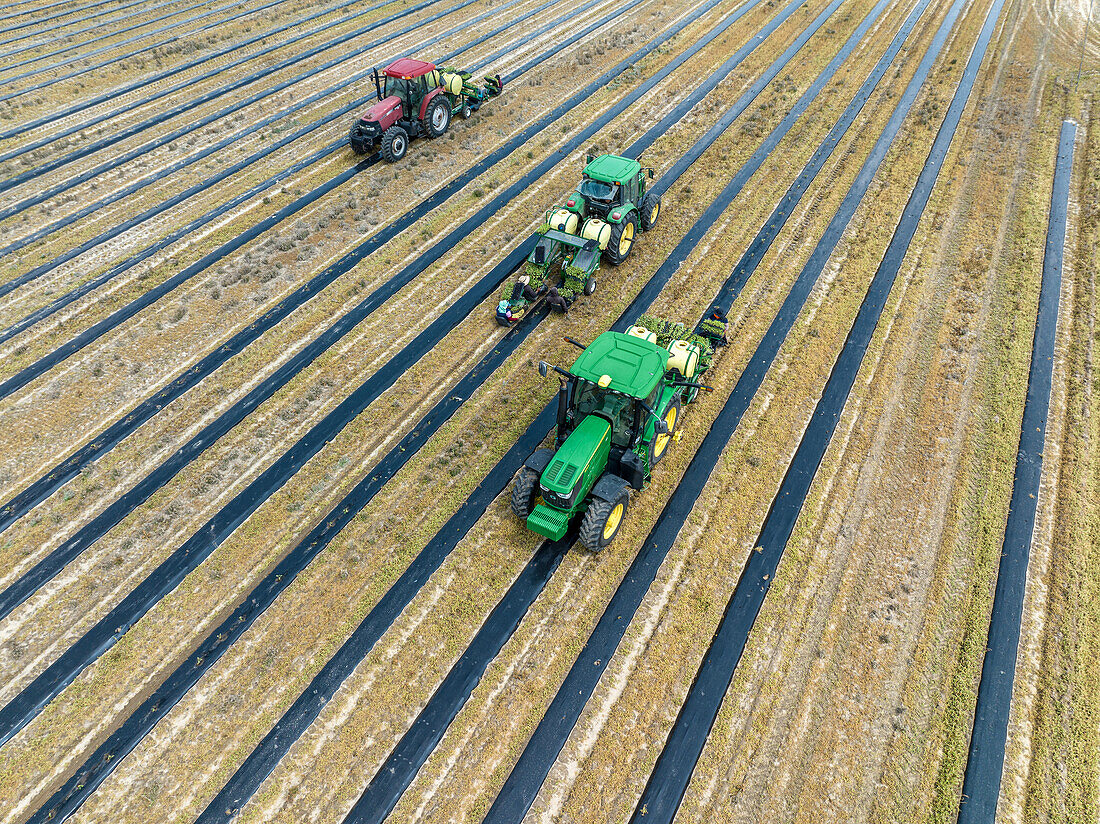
(103, 636)
(208, 182)
(20, 590)
(670, 776)
(985, 760)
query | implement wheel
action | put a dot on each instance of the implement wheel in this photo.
(524, 491)
(438, 117)
(602, 521)
(394, 144)
(659, 445)
(622, 239)
(651, 207)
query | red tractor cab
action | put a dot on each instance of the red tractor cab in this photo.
(415, 98)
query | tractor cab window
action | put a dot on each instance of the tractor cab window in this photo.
(604, 193)
(630, 191)
(397, 86)
(619, 409)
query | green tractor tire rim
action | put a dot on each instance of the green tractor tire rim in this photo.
(661, 443)
(626, 238)
(614, 518)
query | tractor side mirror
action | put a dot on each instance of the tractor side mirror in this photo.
(544, 368)
(650, 173)
(661, 426)
(588, 158)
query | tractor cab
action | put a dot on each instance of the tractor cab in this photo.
(610, 181)
(408, 79)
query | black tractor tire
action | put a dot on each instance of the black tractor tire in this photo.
(590, 285)
(395, 142)
(524, 491)
(602, 521)
(438, 117)
(466, 111)
(622, 240)
(658, 447)
(651, 209)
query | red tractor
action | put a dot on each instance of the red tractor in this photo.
(415, 98)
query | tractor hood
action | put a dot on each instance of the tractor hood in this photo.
(577, 463)
(385, 112)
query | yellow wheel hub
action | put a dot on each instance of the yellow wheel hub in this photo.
(661, 442)
(627, 238)
(653, 215)
(612, 523)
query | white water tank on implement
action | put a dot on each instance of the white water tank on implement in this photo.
(595, 229)
(452, 84)
(564, 221)
(643, 333)
(684, 358)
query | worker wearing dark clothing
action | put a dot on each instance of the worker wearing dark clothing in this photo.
(556, 301)
(522, 289)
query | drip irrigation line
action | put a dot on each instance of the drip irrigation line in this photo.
(985, 761)
(668, 782)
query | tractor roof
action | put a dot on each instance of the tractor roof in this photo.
(408, 67)
(635, 365)
(612, 169)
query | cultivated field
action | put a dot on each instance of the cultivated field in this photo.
(259, 425)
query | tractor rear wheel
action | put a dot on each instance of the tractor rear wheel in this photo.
(651, 207)
(438, 116)
(524, 491)
(659, 445)
(622, 239)
(394, 144)
(602, 521)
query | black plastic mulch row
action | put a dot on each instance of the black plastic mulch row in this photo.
(67, 113)
(208, 182)
(668, 782)
(118, 621)
(985, 762)
(23, 587)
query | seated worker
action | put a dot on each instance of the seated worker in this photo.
(556, 301)
(523, 289)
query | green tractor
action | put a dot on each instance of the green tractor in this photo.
(601, 218)
(618, 409)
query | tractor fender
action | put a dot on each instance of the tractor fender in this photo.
(428, 98)
(609, 488)
(539, 460)
(623, 213)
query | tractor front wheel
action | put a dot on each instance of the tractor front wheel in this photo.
(602, 521)
(438, 117)
(524, 491)
(651, 207)
(394, 144)
(622, 239)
